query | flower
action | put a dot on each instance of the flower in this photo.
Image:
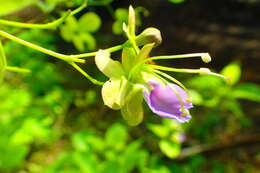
(167, 103)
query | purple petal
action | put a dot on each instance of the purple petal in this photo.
(165, 103)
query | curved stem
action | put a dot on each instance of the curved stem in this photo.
(94, 81)
(40, 49)
(17, 69)
(112, 49)
(51, 25)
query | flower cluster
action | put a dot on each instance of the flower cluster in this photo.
(135, 79)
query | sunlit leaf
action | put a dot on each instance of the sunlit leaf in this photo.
(233, 72)
(160, 130)
(89, 40)
(117, 27)
(89, 22)
(132, 156)
(170, 149)
(196, 97)
(87, 162)
(79, 43)
(121, 14)
(13, 5)
(176, 1)
(248, 91)
(116, 136)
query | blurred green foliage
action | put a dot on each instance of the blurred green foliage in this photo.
(79, 32)
(176, 1)
(51, 121)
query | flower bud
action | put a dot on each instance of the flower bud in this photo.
(149, 35)
(166, 103)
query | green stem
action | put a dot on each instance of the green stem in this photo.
(17, 69)
(51, 25)
(112, 49)
(94, 81)
(41, 49)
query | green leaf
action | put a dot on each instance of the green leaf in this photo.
(121, 15)
(2, 61)
(8, 151)
(79, 43)
(206, 82)
(13, 5)
(132, 111)
(85, 141)
(170, 149)
(111, 68)
(132, 156)
(248, 91)
(87, 162)
(69, 29)
(89, 40)
(233, 72)
(176, 1)
(160, 130)
(116, 136)
(117, 27)
(89, 22)
(196, 97)
(235, 107)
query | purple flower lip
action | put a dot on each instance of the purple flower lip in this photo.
(164, 102)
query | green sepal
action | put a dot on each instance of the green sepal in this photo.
(111, 68)
(2, 61)
(128, 59)
(131, 21)
(114, 91)
(132, 111)
(144, 52)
